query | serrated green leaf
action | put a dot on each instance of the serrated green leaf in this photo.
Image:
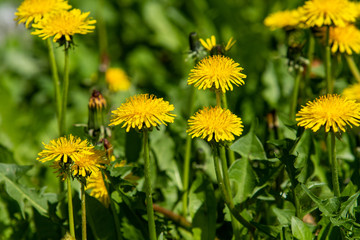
(249, 146)
(202, 207)
(300, 230)
(242, 179)
(328, 207)
(347, 207)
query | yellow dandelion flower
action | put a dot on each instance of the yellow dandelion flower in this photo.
(356, 5)
(96, 184)
(352, 92)
(34, 10)
(117, 79)
(143, 111)
(344, 39)
(218, 72)
(210, 44)
(332, 111)
(64, 24)
(328, 12)
(86, 164)
(287, 19)
(215, 123)
(64, 149)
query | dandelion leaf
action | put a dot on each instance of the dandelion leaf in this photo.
(9, 175)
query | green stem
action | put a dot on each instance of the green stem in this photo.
(83, 212)
(56, 80)
(187, 158)
(231, 154)
(234, 222)
(149, 201)
(218, 97)
(70, 207)
(310, 57)
(329, 81)
(334, 166)
(296, 203)
(225, 194)
(225, 171)
(295, 95)
(353, 68)
(64, 92)
(224, 101)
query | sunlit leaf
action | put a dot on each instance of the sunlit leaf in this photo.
(249, 146)
(243, 180)
(300, 230)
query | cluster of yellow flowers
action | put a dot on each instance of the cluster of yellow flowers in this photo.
(217, 73)
(332, 111)
(52, 18)
(339, 15)
(74, 155)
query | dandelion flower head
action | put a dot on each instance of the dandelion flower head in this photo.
(86, 164)
(344, 39)
(287, 19)
(215, 124)
(96, 184)
(328, 12)
(216, 72)
(143, 111)
(332, 111)
(352, 92)
(117, 79)
(34, 10)
(65, 149)
(64, 24)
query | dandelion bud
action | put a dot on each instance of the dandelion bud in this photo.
(97, 101)
(97, 105)
(194, 42)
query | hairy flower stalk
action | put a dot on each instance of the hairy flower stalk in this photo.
(194, 51)
(143, 112)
